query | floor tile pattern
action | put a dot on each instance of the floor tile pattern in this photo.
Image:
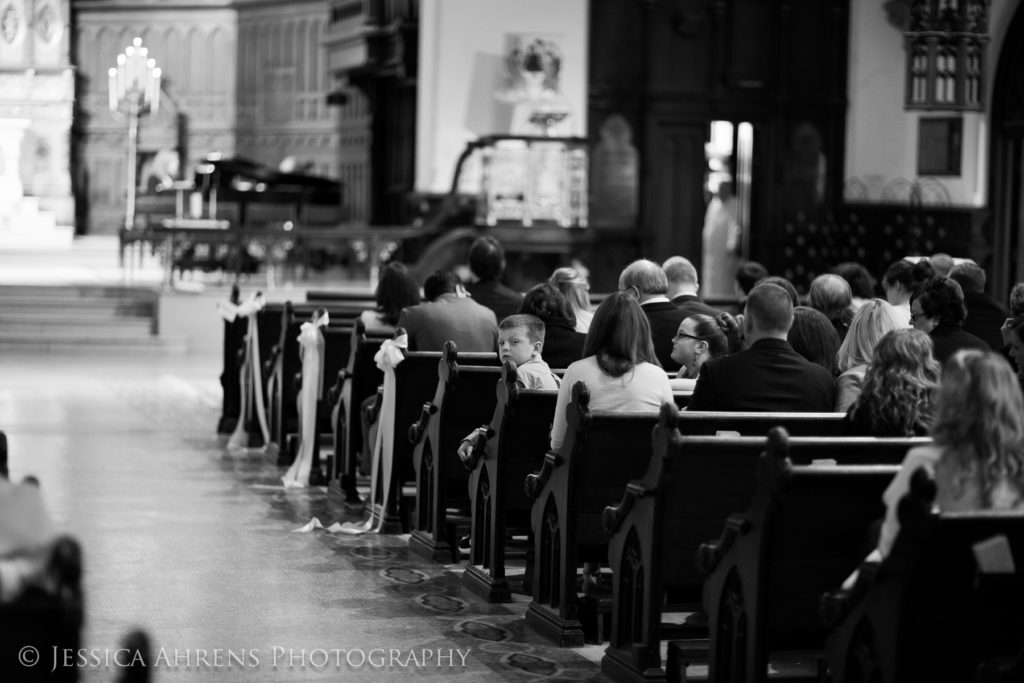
(197, 545)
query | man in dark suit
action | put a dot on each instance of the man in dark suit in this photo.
(447, 315)
(985, 315)
(683, 287)
(770, 375)
(487, 263)
(648, 280)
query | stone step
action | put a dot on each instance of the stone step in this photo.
(83, 329)
(69, 344)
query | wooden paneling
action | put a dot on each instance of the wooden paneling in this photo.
(673, 66)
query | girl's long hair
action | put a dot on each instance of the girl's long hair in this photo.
(979, 422)
(871, 323)
(900, 386)
(620, 336)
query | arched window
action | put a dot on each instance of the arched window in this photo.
(945, 44)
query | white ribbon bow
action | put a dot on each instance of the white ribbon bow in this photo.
(387, 359)
(251, 375)
(311, 344)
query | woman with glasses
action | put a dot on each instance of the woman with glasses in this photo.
(701, 337)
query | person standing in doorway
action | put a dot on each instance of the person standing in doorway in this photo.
(721, 242)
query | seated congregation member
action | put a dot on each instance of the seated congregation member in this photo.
(1015, 350)
(683, 287)
(902, 280)
(814, 338)
(563, 345)
(874, 320)
(618, 365)
(862, 285)
(487, 263)
(747, 276)
(785, 284)
(942, 264)
(897, 394)
(448, 316)
(770, 375)
(699, 338)
(575, 287)
(938, 309)
(978, 452)
(648, 281)
(395, 291)
(831, 295)
(985, 315)
(520, 340)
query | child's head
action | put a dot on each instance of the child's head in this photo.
(520, 338)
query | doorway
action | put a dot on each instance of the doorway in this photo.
(728, 189)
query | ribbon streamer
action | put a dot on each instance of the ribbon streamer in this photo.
(387, 359)
(251, 373)
(311, 348)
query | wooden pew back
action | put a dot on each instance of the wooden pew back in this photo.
(804, 530)
(928, 611)
(464, 398)
(518, 438)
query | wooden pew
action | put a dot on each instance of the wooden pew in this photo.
(691, 486)
(283, 364)
(355, 383)
(805, 528)
(463, 399)
(517, 440)
(927, 612)
(415, 382)
(570, 496)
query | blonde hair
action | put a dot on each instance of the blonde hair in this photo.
(873, 321)
(979, 422)
(574, 286)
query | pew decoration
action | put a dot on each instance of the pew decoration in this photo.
(311, 349)
(390, 355)
(251, 379)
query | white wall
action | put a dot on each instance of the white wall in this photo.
(461, 68)
(881, 137)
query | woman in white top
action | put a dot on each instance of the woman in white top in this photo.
(874, 319)
(576, 288)
(618, 365)
(978, 454)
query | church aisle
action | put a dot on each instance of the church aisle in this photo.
(197, 545)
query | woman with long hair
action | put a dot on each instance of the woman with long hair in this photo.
(575, 287)
(618, 365)
(563, 344)
(699, 338)
(395, 290)
(814, 337)
(897, 395)
(874, 320)
(978, 452)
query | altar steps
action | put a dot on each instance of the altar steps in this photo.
(66, 319)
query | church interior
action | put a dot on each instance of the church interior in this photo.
(205, 206)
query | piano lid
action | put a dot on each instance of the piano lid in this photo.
(245, 175)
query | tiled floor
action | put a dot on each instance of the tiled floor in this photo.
(197, 545)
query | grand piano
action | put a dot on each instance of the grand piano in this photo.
(246, 193)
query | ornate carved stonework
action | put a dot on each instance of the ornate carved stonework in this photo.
(47, 23)
(10, 22)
